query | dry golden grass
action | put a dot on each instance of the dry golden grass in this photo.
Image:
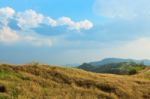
(33, 81)
(144, 74)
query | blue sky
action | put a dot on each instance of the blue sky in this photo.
(64, 31)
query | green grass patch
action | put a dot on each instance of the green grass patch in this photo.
(5, 74)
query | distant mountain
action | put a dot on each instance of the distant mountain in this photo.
(71, 65)
(118, 60)
(146, 62)
(116, 66)
(123, 68)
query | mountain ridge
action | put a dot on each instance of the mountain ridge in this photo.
(116, 66)
(118, 60)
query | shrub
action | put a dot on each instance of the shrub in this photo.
(132, 72)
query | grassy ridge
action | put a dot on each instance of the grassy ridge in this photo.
(34, 81)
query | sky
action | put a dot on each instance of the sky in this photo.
(73, 31)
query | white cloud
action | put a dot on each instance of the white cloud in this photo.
(50, 22)
(65, 21)
(127, 9)
(86, 24)
(7, 35)
(26, 20)
(5, 14)
(29, 19)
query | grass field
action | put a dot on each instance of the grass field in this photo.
(34, 81)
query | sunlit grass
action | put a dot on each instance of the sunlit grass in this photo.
(35, 81)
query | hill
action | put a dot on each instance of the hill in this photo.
(124, 68)
(34, 81)
(118, 60)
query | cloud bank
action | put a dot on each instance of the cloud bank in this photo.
(32, 19)
(28, 20)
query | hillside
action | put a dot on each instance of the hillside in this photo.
(33, 81)
(124, 68)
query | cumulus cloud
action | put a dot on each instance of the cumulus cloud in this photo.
(50, 22)
(25, 20)
(86, 24)
(5, 14)
(127, 9)
(28, 20)
(31, 19)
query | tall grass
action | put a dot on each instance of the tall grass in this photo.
(35, 81)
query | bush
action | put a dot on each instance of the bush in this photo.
(132, 72)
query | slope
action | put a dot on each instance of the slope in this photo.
(34, 81)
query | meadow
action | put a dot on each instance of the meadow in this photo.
(37, 81)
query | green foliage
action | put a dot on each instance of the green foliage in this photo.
(86, 66)
(132, 72)
(3, 97)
